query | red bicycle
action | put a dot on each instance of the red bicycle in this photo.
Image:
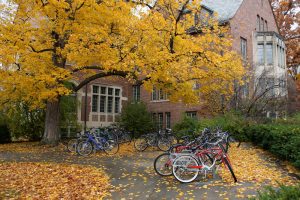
(186, 167)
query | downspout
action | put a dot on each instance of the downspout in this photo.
(85, 107)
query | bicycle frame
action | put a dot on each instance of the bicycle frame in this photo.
(97, 144)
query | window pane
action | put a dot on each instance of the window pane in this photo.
(269, 53)
(266, 25)
(258, 23)
(117, 104)
(102, 103)
(103, 90)
(192, 114)
(160, 121)
(95, 103)
(109, 104)
(95, 89)
(154, 96)
(260, 54)
(262, 24)
(244, 48)
(168, 120)
(136, 93)
(110, 91)
(161, 94)
(117, 92)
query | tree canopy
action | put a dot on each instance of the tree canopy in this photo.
(44, 43)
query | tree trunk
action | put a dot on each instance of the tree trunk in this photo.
(52, 133)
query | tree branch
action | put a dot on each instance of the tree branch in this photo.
(100, 75)
(40, 51)
(87, 67)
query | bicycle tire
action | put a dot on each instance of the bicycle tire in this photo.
(162, 141)
(138, 146)
(72, 145)
(156, 168)
(109, 146)
(176, 168)
(80, 145)
(230, 169)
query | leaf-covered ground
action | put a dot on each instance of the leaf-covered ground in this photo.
(25, 180)
(132, 176)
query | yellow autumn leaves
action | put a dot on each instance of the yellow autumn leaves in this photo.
(27, 180)
(45, 42)
(250, 164)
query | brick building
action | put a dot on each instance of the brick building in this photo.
(255, 37)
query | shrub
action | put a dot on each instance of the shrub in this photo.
(4, 131)
(283, 193)
(68, 121)
(136, 118)
(24, 122)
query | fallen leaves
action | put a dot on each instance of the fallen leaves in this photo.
(51, 181)
(249, 166)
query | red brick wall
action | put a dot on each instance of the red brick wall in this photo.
(243, 24)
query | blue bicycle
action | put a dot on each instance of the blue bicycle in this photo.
(105, 142)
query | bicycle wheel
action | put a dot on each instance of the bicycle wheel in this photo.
(141, 143)
(226, 162)
(84, 148)
(163, 144)
(72, 144)
(111, 147)
(182, 169)
(163, 164)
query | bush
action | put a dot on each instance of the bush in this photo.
(283, 193)
(136, 118)
(24, 122)
(4, 131)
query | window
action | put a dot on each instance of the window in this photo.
(106, 99)
(160, 121)
(270, 86)
(266, 25)
(260, 54)
(262, 84)
(191, 114)
(269, 53)
(245, 90)
(168, 120)
(283, 58)
(244, 48)
(158, 95)
(102, 103)
(258, 23)
(117, 104)
(95, 103)
(136, 93)
(261, 24)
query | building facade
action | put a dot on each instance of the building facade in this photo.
(255, 36)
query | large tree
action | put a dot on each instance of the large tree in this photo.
(44, 43)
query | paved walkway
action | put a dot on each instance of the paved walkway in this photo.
(133, 177)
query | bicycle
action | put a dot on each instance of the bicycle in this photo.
(157, 139)
(186, 167)
(97, 142)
